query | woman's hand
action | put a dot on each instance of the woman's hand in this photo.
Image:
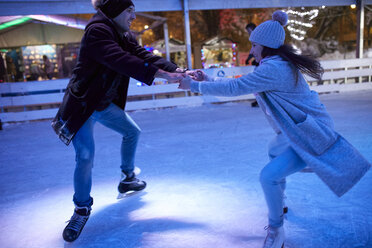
(185, 83)
(197, 75)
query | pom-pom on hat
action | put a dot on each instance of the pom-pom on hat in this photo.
(271, 33)
(113, 8)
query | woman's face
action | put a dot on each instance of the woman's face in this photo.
(256, 51)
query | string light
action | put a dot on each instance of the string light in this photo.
(296, 30)
(314, 13)
(298, 50)
(297, 25)
(297, 37)
(203, 58)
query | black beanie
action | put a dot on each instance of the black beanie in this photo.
(113, 8)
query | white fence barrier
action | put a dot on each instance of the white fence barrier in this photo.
(40, 100)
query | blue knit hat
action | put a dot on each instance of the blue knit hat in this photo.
(271, 33)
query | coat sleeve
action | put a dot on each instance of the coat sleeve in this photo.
(101, 46)
(267, 77)
(149, 57)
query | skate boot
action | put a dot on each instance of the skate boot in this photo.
(129, 185)
(76, 224)
(275, 237)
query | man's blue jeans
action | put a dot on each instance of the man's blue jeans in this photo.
(284, 162)
(116, 119)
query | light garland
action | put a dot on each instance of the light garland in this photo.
(297, 37)
(314, 13)
(203, 58)
(308, 25)
(294, 30)
(297, 28)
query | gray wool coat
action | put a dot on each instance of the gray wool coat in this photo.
(296, 111)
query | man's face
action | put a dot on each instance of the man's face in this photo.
(124, 20)
(256, 51)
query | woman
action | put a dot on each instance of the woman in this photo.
(305, 131)
(47, 67)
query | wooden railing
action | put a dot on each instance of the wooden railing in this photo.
(40, 100)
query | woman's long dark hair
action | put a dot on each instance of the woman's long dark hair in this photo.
(305, 64)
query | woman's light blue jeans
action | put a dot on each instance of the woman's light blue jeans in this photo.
(116, 119)
(284, 162)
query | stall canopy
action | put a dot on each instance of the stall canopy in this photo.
(218, 43)
(16, 31)
(174, 46)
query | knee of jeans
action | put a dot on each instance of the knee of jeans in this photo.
(85, 156)
(133, 132)
(267, 177)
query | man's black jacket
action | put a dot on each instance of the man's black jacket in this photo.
(104, 55)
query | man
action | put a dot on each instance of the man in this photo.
(47, 67)
(2, 70)
(97, 91)
(251, 60)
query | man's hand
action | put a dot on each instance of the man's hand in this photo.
(172, 77)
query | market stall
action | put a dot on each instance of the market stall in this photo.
(219, 52)
(177, 50)
(24, 41)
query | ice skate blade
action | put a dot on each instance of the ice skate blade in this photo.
(128, 194)
(307, 170)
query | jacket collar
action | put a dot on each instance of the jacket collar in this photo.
(100, 17)
(274, 57)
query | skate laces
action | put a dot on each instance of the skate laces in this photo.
(270, 237)
(126, 179)
(77, 221)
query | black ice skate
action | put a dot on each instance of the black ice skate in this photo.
(130, 185)
(76, 224)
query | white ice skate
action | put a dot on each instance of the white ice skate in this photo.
(275, 237)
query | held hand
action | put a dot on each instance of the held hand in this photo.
(185, 83)
(197, 75)
(175, 77)
(169, 76)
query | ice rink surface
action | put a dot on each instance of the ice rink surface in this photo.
(201, 165)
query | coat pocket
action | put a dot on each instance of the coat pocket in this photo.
(315, 136)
